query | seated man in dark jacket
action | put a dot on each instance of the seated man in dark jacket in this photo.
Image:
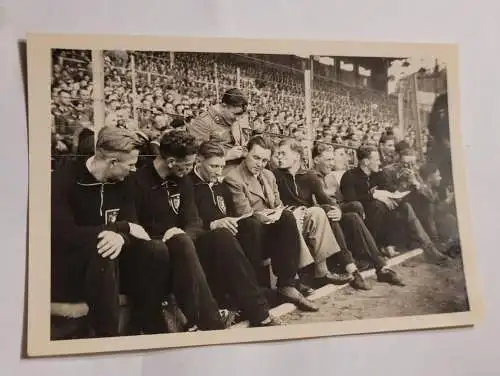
(98, 249)
(443, 212)
(214, 205)
(301, 188)
(383, 209)
(330, 164)
(403, 175)
(167, 210)
(358, 237)
(312, 220)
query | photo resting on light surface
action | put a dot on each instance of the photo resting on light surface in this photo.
(212, 191)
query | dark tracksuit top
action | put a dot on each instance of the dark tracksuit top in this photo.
(236, 270)
(303, 189)
(163, 204)
(82, 207)
(213, 202)
(355, 185)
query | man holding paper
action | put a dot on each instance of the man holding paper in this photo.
(254, 191)
(384, 209)
(302, 188)
(225, 233)
(403, 176)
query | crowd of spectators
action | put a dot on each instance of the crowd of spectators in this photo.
(328, 209)
(183, 88)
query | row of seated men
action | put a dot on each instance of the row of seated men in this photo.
(177, 226)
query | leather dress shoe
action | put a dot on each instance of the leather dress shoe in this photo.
(359, 282)
(293, 296)
(273, 321)
(304, 289)
(333, 279)
(389, 276)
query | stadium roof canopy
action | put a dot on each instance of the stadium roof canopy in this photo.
(366, 61)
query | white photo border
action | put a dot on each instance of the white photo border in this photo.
(39, 96)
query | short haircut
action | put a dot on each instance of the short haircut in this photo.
(319, 148)
(178, 144)
(261, 141)
(428, 169)
(114, 139)
(235, 98)
(401, 146)
(294, 145)
(209, 149)
(406, 152)
(364, 152)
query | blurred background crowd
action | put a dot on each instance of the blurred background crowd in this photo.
(156, 91)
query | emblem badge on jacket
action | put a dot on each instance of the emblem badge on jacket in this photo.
(221, 204)
(175, 202)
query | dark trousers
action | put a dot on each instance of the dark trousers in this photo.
(229, 271)
(425, 211)
(400, 225)
(189, 285)
(140, 271)
(353, 207)
(361, 242)
(146, 271)
(343, 257)
(279, 240)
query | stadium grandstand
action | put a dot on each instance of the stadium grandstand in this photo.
(340, 101)
(138, 89)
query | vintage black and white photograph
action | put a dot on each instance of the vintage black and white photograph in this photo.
(237, 195)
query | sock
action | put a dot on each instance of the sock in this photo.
(321, 269)
(351, 268)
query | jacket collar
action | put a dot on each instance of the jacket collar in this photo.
(218, 117)
(319, 174)
(251, 181)
(198, 180)
(84, 177)
(301, 171)
(157, 181)
(360, 172)
(244, 172)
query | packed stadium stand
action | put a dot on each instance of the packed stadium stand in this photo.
(158, 91)
(168, 88)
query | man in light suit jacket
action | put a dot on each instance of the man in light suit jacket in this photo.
(254, 191)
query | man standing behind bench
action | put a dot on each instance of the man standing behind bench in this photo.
(93, 234)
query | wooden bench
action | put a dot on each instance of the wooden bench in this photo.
(69, 320)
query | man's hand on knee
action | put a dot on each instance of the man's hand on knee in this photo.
(138, 232)
(171, 232)
(228, 223)
(110, 244)
(335, 214)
